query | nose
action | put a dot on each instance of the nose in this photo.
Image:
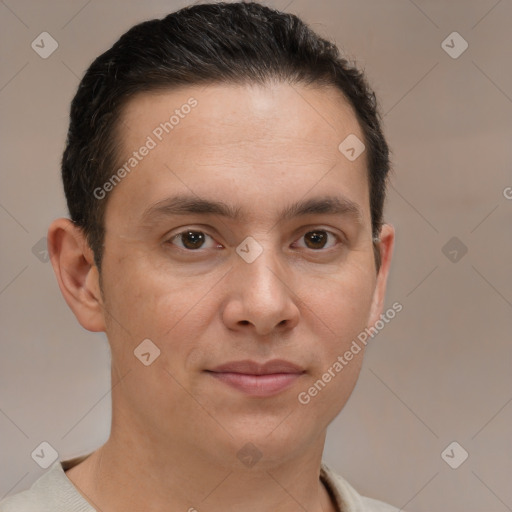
(261, 296)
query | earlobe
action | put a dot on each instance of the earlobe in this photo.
(77, 275)
(385, 246)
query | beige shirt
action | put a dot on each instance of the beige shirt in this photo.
(54, 492)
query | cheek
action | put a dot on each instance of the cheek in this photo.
(146, 301)
(339, 310)
(342, 302)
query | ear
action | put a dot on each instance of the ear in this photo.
(385, 246)
(78, 277)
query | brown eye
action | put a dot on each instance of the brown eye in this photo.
(318, 239)
(191, 239)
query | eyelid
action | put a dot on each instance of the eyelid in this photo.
(170, 239)
(341, 238)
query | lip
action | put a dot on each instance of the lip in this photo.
(258, 379)
(249, 367)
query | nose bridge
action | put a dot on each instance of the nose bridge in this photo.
(266, 298)
(262, 265)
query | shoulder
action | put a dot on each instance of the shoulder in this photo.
(23, 501)
(52, 492)
(348, 499)
(32, 500)
(371, 505)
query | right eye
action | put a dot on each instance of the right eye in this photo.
(191, 240)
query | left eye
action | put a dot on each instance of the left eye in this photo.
(192, 240)
(318, 238)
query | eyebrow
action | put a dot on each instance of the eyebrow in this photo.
(189, 205)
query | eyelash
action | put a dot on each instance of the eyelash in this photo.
(338, 238)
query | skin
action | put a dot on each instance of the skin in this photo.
(176, 430)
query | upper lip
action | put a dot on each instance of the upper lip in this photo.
(254, 368)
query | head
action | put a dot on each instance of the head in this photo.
(241, 43)
(192, 133)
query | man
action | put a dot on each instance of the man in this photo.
(225, 174)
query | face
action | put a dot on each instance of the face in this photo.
(241, 234)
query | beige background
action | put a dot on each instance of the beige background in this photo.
(439, 372)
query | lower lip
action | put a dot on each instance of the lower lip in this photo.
(258, 385)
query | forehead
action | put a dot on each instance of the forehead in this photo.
(264, 111)
(246, 140)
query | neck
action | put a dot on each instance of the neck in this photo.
(133, 472)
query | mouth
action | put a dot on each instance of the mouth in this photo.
(259, 380)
